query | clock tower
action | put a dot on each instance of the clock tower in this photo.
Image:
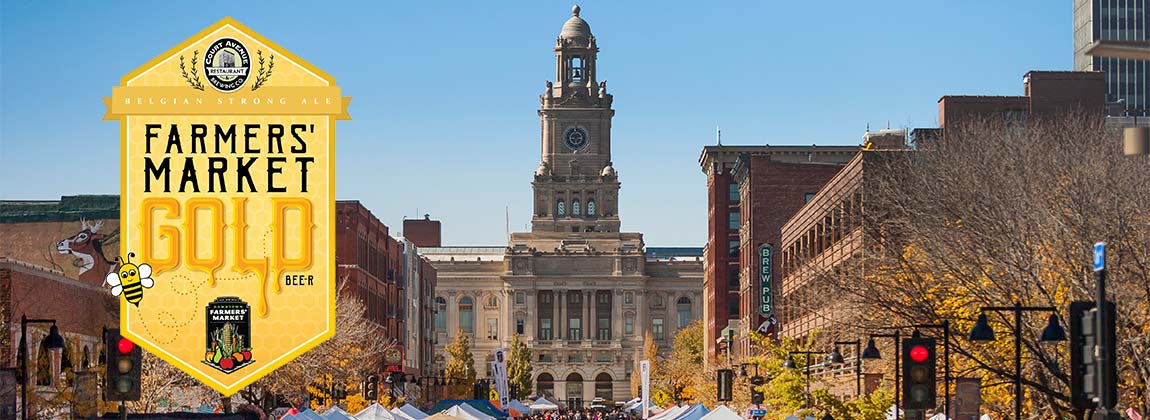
(576, 188)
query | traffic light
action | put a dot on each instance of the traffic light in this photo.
(918, 373)
(371, 388)
(756, 394)
(1084, 369)
(122, 378)
(725, 379)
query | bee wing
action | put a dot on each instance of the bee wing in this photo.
(147, 282)
(113, 279)
(145, 271)
(117, 289)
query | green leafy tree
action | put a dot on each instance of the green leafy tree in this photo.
(685, 362)
(460, 370)
(519, 367)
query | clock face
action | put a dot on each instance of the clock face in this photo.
(576, 138)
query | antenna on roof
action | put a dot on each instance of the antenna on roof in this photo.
(868, 127)
(888, 124)
(507, 221)
(719, 135)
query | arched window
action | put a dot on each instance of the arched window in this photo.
(683, 308)
(546, 385)
(574, 386)
(574, 207)
(604, 387)
(590, 207)
(440, 315)
(561, 209)
(577, 70)
(467, 314)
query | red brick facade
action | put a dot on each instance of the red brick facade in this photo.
(370, 265)
(423, 232)
(739, 219)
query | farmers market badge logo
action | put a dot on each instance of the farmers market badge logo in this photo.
(226, 64)
(229, 336)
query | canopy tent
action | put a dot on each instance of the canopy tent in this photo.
(518, 406)
(466, 412)
(694, 412)
(374, 412)
(335, 413)
(542, 404)
(483, 406)
(306, 414)
(722, 412)
(408, 412)
(441, 416)
(668, 414)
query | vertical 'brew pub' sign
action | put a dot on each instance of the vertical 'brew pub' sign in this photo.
(227, 203)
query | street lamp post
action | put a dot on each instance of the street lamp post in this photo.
(790, 364)
(54, 342)
(837, 358)
(982, 332)
(871, 352)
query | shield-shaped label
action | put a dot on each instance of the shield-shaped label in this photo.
(227, 205)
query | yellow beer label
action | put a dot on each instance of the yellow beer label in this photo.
(227, 204)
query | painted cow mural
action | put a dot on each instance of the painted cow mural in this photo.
(88, 248)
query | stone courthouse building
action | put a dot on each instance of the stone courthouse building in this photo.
(579, 291)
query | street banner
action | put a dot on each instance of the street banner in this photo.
(499, 370)
(227, 205)
(645, 378)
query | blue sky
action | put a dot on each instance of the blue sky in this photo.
(445, 94)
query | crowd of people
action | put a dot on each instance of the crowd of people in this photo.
(582, 414)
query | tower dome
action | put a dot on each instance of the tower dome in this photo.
(576, 27)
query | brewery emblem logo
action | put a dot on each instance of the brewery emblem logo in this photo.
(226, 64)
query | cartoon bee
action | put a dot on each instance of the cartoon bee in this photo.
(131, 280)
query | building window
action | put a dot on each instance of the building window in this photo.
(574, 332)
(590, 208)
(604, 298)
(657, 328)
(520, 298)
(808, 197)
(733, 250)
(603, 329)
(492, 329)
(546, 357)
(733, 193)
(733, 219)
(440, 314)
(467, 315)
(604, 357)
(519, 326)
(733, 278)
(545, 329)
(561, 209)
(733, 306)
(492, 302)
(683, 309)
(577, 69)
(575, 207)
(575, 297)
(629, 325)
(628, 298)
(545, 298)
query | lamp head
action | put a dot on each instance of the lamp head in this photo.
(871, 351)
(982, 332)
(1053, 330)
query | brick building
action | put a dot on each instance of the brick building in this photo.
(751, 192)
(53, 258)
(370, 266)
(419, 297)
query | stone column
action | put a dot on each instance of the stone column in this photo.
(595, 315)
(617, 316)
(452, 316)
(588, 390)
(509, 319)
(641, 320)
(532, 313)
(586, 309)
(561, 323)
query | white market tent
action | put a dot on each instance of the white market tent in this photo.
(542, 404)
(722, 412)
(466, 412)
(670, 413)
(335, 413)
(408, 412)
(374, 412)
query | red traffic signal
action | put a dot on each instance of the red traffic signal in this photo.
(919, 354)
(125, 346)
